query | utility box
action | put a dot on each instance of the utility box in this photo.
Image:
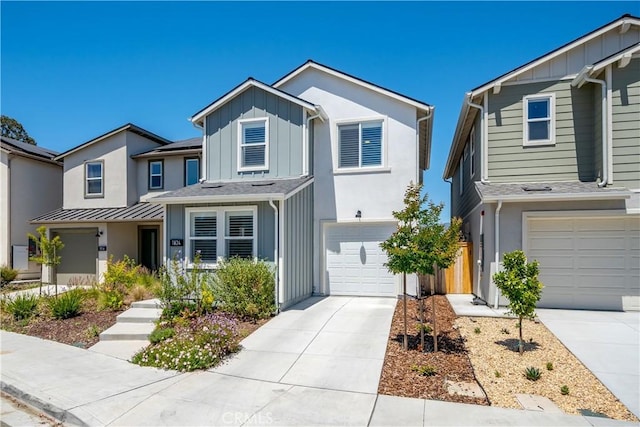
(20, 257)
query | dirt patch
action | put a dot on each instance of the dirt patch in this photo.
(399, 372)
(81, 331)
(492, 345)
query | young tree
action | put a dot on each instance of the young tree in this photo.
(421, 242)
(49, 250)
(13, 129)
(518, 281)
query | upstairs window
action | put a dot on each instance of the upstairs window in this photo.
(253, 145)
(94, 179)
(539, 120)
(156, 174)
(191, 171)
(360, 145)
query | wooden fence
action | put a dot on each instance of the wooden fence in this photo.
(457, 279)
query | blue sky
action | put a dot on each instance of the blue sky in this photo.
(71, 71)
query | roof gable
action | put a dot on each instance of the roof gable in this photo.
(198, 117)
(310, 64)
(128, 127)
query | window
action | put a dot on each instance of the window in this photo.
(239, 234)
(203, 236)
(461, 174)
(214, 233)
(472, 151)
(253, 145)
(360, 145)
(156, 168)
(94, 177)
(191, 171)
(539, 123)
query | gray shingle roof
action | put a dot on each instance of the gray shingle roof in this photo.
(13, 145)
(257, 188)
(495, 191)
(138, 212)
(177, 147)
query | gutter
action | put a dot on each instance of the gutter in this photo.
(609, 195)
(427, 117)
(275, 255)
(579, 81)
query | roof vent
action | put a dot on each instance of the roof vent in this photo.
(534, 188)
(261, 184)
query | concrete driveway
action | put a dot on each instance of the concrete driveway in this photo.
(607, 343)
(334, 343)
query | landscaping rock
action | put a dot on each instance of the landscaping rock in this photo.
(461, 388)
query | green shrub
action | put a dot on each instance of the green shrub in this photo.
(426, 328)
(549, 366)
(532, 374)
(202, 345)
(110, 298)
(66, 305)
(245, 288)
(424, 370)
(476, 330)
(161, 334)
(22, 306)
(92, 331)
(505, 331)
(564, 390)
(7, 274)
(123, 272)
(497, 374)
(178, 288)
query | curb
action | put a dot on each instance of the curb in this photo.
(61, 415)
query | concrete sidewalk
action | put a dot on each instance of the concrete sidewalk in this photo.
(85, 388)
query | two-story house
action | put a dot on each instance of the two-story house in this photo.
(30, 184)
(105, 212)
(304, 173)
(546, 158)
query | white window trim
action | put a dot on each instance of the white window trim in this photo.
(221, 237)
(461, 174)
(265, 167)
(552, 120)
(472, 152)
(161, 175)
(336, 144)
(86, 178)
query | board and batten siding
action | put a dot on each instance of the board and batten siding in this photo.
(285, 136)
(462, 204)
(572, 156)
(175, 222)
(626, 125)
(298, 247)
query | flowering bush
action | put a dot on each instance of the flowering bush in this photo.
(200, 345)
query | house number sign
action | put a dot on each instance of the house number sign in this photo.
(102, 248)
(176, 242)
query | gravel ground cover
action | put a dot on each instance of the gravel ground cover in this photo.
(492, 349)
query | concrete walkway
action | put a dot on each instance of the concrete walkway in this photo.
(317, 383)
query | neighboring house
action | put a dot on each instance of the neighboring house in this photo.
(30, 184)
(304, 173)
(546, 158)
(107, 181)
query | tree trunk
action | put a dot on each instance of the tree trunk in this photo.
(421, 315)
(521, 343)
(404, 297)
(433, 311)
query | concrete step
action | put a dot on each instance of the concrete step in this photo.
(120, 349)
(149, 303)
(139, 315)
(128, 332)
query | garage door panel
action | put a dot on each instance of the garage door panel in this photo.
(355, 262)
(587, 263)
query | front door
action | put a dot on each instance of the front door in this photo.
(148, 238)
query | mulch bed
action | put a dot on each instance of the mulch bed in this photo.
(81, 331)
(451, 361)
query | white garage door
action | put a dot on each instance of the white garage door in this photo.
(588, 263)
(354, 260)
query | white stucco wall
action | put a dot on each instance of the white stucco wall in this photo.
(5, 245)
(136, 144)
(376, 193)
(173, 175)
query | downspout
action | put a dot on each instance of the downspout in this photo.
(307, 146)
(426, 117)
(605, 146)
(483, 139)
(203, 161)
(497, 245)
(275, 254)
